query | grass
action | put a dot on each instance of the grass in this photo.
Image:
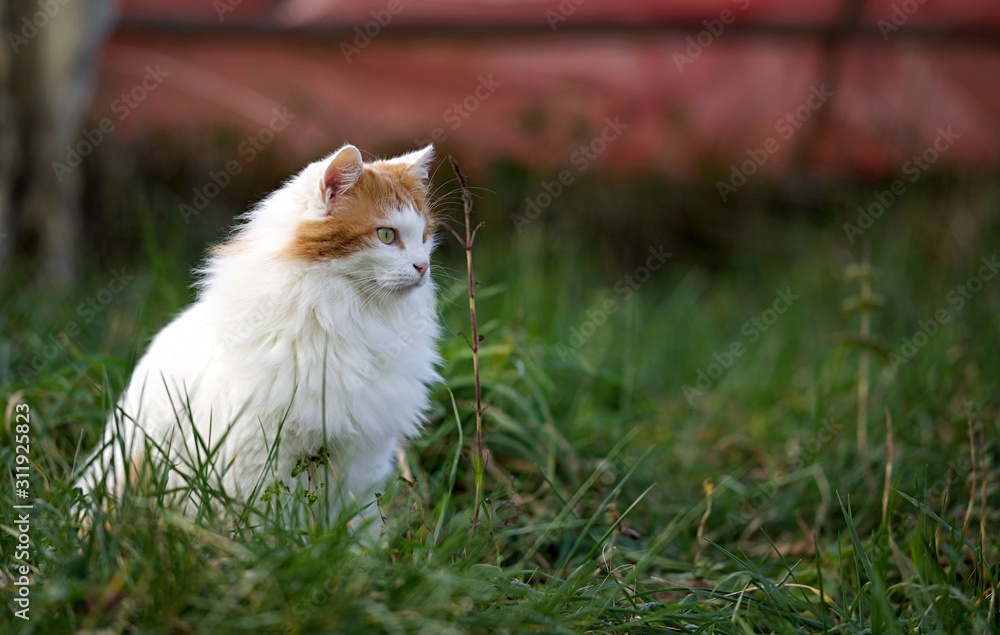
(614, 502)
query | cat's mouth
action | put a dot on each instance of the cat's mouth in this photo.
(403, 287)
(410, 286)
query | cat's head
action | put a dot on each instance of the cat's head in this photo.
(370, 222)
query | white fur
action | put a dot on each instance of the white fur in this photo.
(341, 351)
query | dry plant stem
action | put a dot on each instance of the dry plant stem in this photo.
(890, 450)
(887, 488)
(709, 488)
(467, 242)
(993, 599)
(978, 457)
(975, 473)
(983, 489)
(863, 371)
(944, 505)
(863, 304)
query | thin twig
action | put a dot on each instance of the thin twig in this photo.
(479, 461)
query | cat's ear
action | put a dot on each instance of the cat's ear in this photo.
(418, 162)
(341, 172)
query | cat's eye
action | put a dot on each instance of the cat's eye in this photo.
(386, 235)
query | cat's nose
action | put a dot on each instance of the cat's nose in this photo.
(421, 267)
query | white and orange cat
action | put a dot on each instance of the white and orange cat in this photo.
(314, 328)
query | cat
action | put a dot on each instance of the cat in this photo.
(314, 334)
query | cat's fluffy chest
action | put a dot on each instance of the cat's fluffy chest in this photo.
(361, 371)
(307, 371)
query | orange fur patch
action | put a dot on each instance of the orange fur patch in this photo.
(358, 212)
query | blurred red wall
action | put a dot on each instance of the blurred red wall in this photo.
(685, 88)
